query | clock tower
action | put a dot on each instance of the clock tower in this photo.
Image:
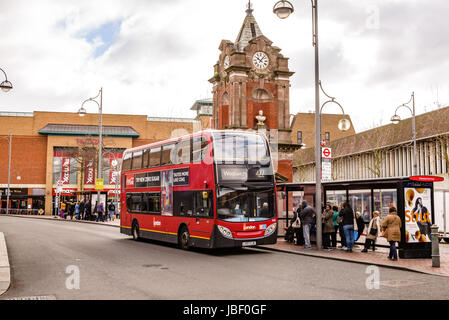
(251, 84)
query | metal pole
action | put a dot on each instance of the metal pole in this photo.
(317, 127)
(415, 161)
(100, 144)
(9, 173)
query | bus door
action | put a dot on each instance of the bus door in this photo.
(203, 214)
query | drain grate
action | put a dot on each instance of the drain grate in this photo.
(49, 297)
(399, 283)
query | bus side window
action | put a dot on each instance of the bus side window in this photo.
(183, 152)
(199, 148)
(127, 158)
(155, 157)
(183, 203)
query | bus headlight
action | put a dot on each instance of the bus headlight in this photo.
(271, 228)
(225, 232)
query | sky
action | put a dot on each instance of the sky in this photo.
(154, 57)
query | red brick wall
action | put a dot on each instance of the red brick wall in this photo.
(285, 167)
(28, 159)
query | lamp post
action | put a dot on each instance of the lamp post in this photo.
(82, 112)
(396, 119)
(283, 9)
(5, 85)
(8, 191)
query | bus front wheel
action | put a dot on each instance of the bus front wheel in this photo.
(184, 238)
(135, 231)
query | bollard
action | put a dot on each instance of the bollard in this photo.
(435, 247)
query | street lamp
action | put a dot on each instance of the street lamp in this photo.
(344, 124)
(396, 119)
(283, 9)
(82, 112)
(5, 85)
(8, 192)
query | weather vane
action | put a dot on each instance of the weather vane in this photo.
(249, 11)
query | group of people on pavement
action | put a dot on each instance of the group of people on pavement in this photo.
(82, 210)
(348, 224)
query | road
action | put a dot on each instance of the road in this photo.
(112, 266)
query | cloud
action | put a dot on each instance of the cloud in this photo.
(155, 57)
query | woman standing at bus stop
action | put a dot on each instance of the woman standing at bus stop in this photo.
(392, 231)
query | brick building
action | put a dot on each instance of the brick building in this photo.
(51, 146)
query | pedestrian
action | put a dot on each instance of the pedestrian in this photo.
(306, 217)
(100, 211)
(63, 208)
(88, 210)
(82, 206)
(328, 226)
(348, 225)
(77, 210)
(71, 209)
(391, 226)
(340, 228)
(335, 223)
(372, 232)
(359, 226)
(298, 230)
(111, 211)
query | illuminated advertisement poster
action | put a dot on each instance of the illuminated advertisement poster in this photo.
(418, 205)
(167, 193)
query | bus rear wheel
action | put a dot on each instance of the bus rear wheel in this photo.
(135, 231)
(184, 238)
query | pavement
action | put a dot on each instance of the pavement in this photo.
(378, 257)
(5, 272)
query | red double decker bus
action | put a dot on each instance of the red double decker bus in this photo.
(210, 189)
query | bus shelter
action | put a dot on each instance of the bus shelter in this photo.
(414, 201)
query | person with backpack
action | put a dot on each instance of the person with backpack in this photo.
(111, 211)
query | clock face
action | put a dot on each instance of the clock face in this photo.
(226, 62)
(260, 60)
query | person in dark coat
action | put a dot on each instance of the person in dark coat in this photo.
(88, 210)
(306, 216)
(82, 205)
(348, 225)
(360, 225)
